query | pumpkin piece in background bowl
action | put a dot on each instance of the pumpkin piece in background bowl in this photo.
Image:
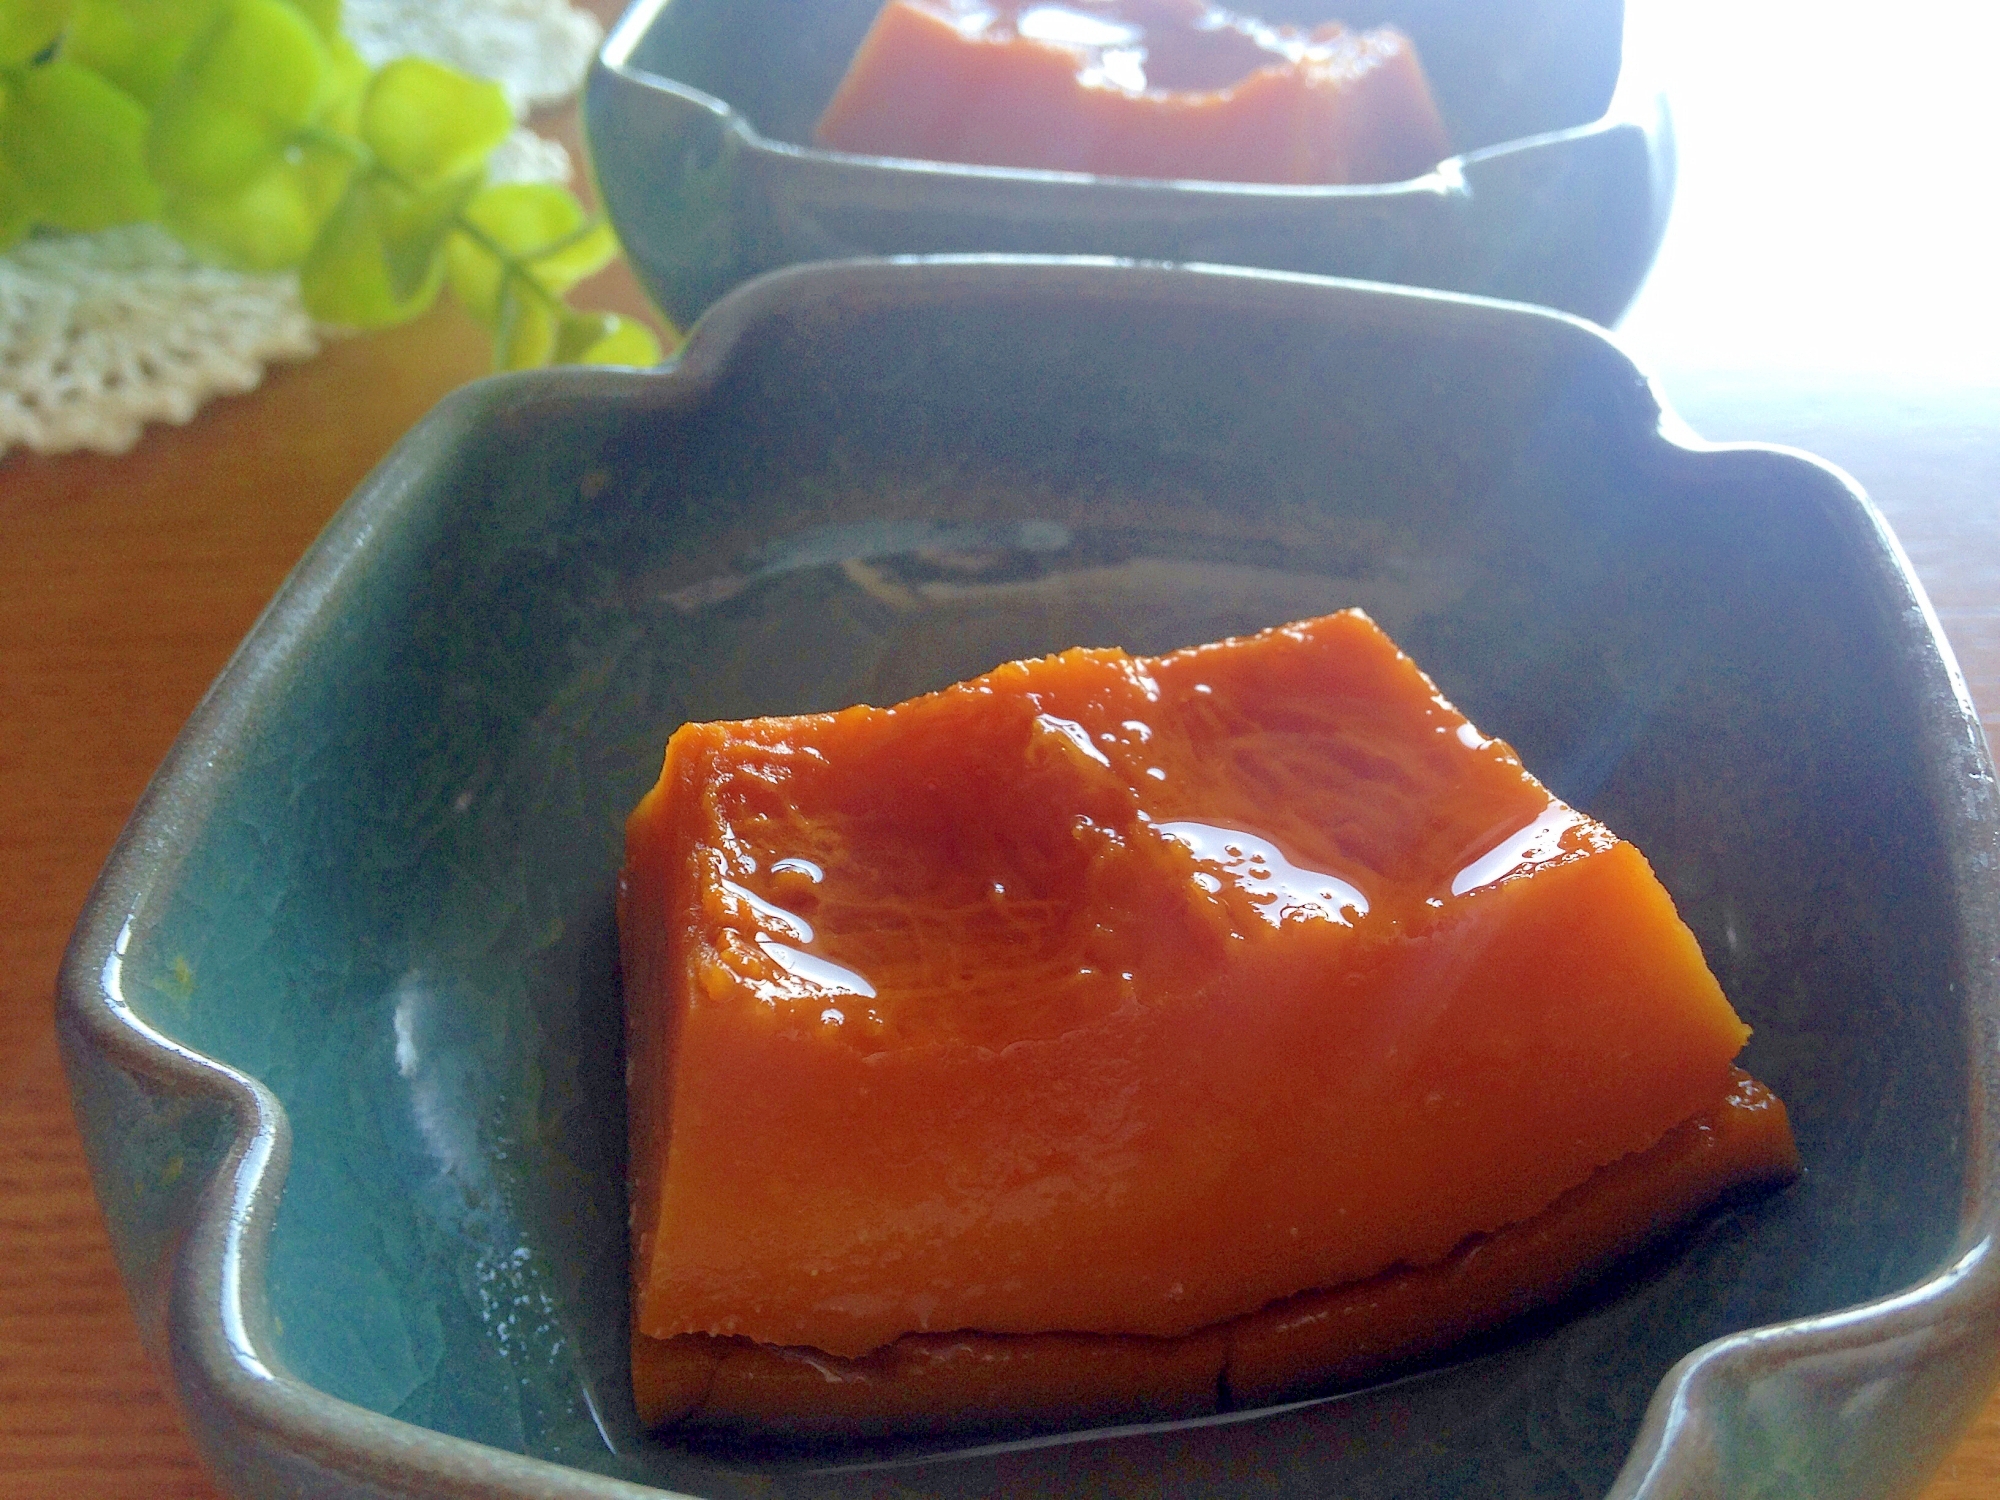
(1136, 88)
(1017, 1052)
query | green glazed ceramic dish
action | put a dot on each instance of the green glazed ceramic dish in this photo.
(342, 1016)
(700, 116)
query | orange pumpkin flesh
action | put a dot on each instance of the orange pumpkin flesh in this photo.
(939, 1383)
(1114, 1001)
(1135, 88)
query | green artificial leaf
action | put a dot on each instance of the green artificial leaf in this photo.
(254, 78)
(540, 228)
(76, 144)
(137, 44)
(324, 15)
(577, 332)
(262, 56)
(347, 86)
(17, 207)
(273, 221)
(601, 338)
(526, 332)
(202, 151)
(416, 226)
(28, 27)
(380, 259)
(428, 124)
(474, 273)
(561, 263)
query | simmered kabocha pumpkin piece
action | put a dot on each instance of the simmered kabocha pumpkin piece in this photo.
(1136, 88)
(940, 1383)
(1120, 997)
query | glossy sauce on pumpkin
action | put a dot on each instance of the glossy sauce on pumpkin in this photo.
(1126, 996)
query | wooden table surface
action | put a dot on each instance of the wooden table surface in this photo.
(125, 583)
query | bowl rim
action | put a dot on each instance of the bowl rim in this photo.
(213, 1337)
(1632, 99)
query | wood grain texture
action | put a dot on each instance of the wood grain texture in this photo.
(125, 583)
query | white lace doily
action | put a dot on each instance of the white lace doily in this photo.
(103, 333)
(537, 50)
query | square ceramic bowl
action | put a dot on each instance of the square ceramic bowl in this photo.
(343, 1019)
(700, 116)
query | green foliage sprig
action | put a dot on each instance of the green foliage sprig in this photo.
(255, 132)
